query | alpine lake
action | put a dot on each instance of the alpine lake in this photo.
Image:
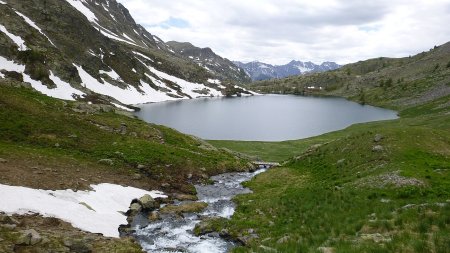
(261, 118)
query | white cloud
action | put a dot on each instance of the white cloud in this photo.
(277, 31)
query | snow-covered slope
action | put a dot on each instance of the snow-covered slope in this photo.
(94, 50)
(262, 71)
(223, 68)
(97, 211)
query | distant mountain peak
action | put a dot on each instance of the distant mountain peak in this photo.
(259, 71)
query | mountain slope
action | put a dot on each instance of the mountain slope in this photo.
(94, 50)
(395, 83)
(259, 71)
(223, 68)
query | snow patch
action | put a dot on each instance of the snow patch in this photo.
(113, 74)
(130, 95)
(186, 87)
(63, 90)
(32, 24)
(114, 37)
(1, 2)
(17, 39)
(128, 37)
(123, 107)
(105, 203)
(143, 56)
(11, 65)
(214, 81)
(79, 5)
(304, 69)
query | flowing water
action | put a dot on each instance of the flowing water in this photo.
(174, 234)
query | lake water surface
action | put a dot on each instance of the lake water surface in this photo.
(261, 118)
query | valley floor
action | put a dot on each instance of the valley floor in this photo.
(373, 187)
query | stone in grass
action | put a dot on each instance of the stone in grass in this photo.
(326, 249)
(106, 161)
(78, 246)
(378, 138)
(377, 148)
(137, 176)
(284, 239)
(141, 167)
(28, 237)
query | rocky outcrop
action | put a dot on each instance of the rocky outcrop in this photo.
(28, 237)
(34, 233)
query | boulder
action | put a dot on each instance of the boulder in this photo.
(137, 176)
(326, 249)
(246, 239)
(148, 203)
(78, 246)
(153, 216)
(378, 138)
(135, 207)
(106, 161)
(28, 237)
(377, 148)
(8, 220)
(123, 128)
(267, 249)
(141, 167)
(284, 239)
(3, 160)
(204, 227)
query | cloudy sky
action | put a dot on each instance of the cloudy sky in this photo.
(277, 31)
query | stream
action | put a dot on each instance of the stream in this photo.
(174, 234)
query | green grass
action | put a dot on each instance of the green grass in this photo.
(274, 151)
(33, 124)
(337, 195)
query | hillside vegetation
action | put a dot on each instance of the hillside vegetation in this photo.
(394, 83)
(374, 187)
(39, 132)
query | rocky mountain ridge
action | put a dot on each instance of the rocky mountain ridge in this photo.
(93, 50)
(223, 68)
(259, 71)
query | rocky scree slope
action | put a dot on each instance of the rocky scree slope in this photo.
(223, 68)
(259, 71)
(93, 50)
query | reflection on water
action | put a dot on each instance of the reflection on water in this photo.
(263, 118)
